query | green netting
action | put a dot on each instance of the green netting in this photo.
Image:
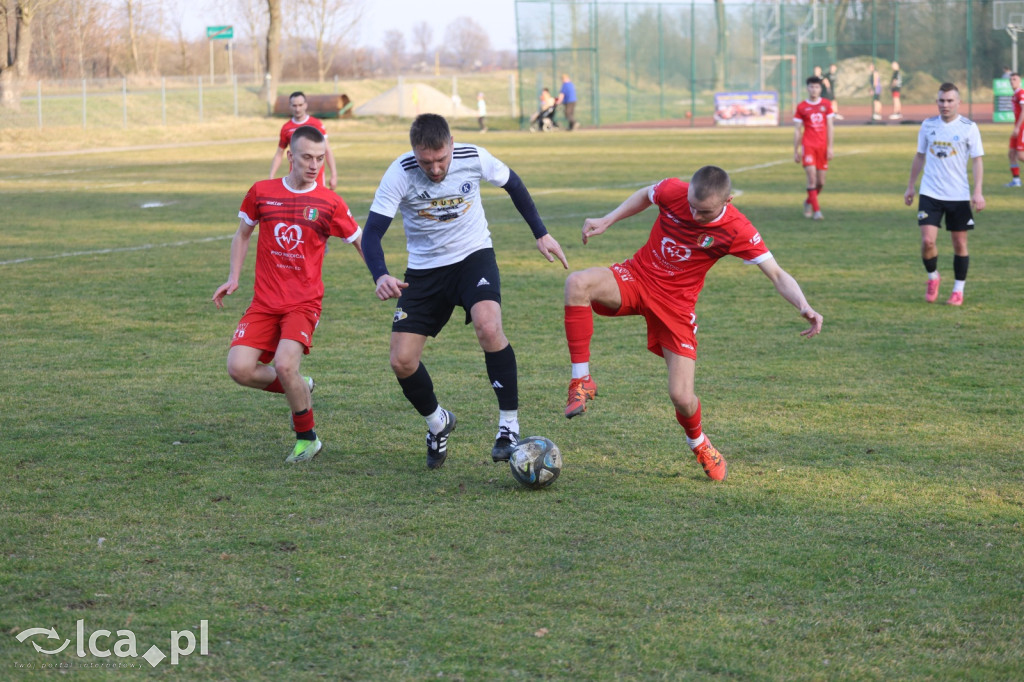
(642, 61)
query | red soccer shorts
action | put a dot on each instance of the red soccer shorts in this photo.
(668, 326)
(1017, 141)
(816, 156)
(265, 330)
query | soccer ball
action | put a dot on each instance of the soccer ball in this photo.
(536, 462)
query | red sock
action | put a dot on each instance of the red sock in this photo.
(304, 421)
(692, 425)
(579, 329)
(1015, 171)
(275, 386)
(812, 199)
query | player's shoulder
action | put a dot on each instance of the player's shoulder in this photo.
(467, 152)
(670, 187)
(267, 186)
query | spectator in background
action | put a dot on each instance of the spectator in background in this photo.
(567, 98)
(895, 84)
(833, 86)
(481, 111)
(875, 82)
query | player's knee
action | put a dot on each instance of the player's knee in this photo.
(403, 366)
(684, 401)
(241, 373)
(577, 288)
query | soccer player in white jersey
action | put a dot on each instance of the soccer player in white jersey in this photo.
(451, 262)
(945, 145)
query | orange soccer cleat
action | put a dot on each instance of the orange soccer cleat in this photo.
(712, 461)
(580, 391)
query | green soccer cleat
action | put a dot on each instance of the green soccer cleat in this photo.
(304, 451)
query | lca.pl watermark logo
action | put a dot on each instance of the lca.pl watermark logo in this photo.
(182, 643)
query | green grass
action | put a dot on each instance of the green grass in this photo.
(871, 526)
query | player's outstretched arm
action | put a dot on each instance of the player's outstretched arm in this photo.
(790, 290)
(637, 202)
(385, 285)
(551, 249)
(239, 249)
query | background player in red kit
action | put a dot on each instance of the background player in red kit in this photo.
(1017, 136)
(812, 143)
(696, 226)
(299, 106)
(296, 215)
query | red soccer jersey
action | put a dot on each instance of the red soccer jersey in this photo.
(286, 137)
(293, 231)
(1018, 95)
(680, 251)
(815, 119)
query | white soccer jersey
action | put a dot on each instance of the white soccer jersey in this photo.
(444, 221)
(948, 147)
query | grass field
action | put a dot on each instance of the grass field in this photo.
(870, 529)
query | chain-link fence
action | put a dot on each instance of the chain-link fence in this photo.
(643, 61)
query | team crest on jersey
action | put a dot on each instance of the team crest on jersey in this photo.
(705, 240)
(289, 237)
(466, 188)
(310, 213)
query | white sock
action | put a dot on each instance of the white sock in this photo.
(933, 275)
(580, 370)
(694, 443)
(958, 286)
(437, 420)
(509, 419)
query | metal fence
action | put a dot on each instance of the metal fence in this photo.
(146, 101)
(641, 61)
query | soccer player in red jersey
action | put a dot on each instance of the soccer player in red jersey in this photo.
(299, 106)
(296, 215)
(696, 226)
(813, 133)
(1017, 137)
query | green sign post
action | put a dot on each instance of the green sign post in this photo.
(220, 32)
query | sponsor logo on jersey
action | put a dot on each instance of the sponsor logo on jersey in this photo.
(289, 237)
(400, 315)
(423, 195)
(674, 252)
(756, 239)
(705, 240)
(274, 203)
(310, 213)
(483, 282)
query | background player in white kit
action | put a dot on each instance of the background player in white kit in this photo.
(945, 144)
(451, 262)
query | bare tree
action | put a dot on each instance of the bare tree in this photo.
(468, 42)
(394, 49)
(423, 38)
(254, 16)
(332, 23)
(16, 41)
(273, 60)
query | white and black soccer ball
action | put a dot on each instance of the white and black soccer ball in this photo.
(536, 462)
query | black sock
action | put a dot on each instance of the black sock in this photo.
(931, 264)
(419, 390)
(503, 374)
(960, 264)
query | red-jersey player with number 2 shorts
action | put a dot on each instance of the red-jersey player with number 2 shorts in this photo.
(814, 117)
(696, 226)
(296, 215)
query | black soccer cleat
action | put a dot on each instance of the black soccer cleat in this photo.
(504, 445)
(437, 444)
